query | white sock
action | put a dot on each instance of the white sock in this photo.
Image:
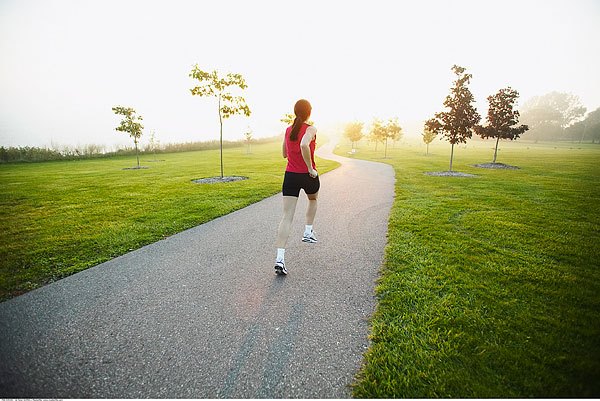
(280, 255)
(308, 229)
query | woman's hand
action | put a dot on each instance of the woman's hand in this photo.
(313, 173)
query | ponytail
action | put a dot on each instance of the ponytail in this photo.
(295, 129)
(302, 110)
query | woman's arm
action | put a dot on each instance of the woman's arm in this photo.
(283, 149)
(308, 137)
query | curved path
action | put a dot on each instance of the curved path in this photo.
(201, 314)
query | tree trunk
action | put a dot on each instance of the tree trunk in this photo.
(451, 156)
(583, 133)
(496, 150)
(221, 135)
(385, 152)
(427, 151)
(137, 155)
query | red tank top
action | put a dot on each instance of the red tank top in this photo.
(295, 162)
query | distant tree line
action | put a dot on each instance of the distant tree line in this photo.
(38, 154)
(586, 130)
(380, 131)
(558, 116)
(29, 154)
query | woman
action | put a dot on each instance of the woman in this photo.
(300, 173)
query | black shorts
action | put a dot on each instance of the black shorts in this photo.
(294, 182)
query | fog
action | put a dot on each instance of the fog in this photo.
(64, 64)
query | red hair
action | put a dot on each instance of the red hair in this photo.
(302, 110)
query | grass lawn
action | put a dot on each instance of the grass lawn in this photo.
(59, 218)
(491, 285)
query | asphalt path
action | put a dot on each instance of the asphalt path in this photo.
(202, 314)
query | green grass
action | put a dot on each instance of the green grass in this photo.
(59, 218)
(491, 285)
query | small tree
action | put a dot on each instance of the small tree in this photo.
(377, 133)
(288, 119)
(391, 130)
(456, 124)
(428, 137)
(248, 136)
(353, 131)
(213, 85)
(130, 124)
(154, 143)
(501, 118)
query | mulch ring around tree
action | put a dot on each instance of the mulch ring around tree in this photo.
(215, 180)
(135, 168)
(449, 174)
(497, 166)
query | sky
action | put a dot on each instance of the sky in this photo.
(65, 63)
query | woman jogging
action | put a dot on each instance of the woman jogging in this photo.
(300, 173)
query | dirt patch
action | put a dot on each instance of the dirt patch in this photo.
(215, 180)
(497, 165)
(449, 174)
(135, 168)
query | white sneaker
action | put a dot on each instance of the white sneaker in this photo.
(310, 238)
(280, 269)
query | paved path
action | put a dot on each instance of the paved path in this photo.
(201, 314)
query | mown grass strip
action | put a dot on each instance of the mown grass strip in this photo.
(62, 217)
(490, 284)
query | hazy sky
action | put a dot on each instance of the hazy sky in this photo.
(65, 63)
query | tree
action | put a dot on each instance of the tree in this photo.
(586, 129)
(377, 132)
(213, 85)
(288, 119)
(547, 116)
(248, 136)
(502, 118)
(428, 137)
(592, 126)
(154, 143)
(381, 132)
(393, 131)
(456, 124)
(130, 124)
(353, 131)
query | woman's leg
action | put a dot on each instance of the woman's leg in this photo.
(311, 210)
(285, 226)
